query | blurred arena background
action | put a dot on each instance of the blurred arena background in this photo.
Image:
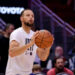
(57, 16)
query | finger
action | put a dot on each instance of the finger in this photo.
(36, 33)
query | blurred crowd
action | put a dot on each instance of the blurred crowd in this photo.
(54, 63)
(4, 45)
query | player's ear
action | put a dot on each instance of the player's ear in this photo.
(21, 18)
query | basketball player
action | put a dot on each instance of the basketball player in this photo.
(22, 49)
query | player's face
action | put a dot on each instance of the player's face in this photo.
(60, 64)
(28, 18)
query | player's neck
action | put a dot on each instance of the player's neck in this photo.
(26, 28)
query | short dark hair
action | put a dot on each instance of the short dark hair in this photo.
(36, 67)
(22, 13)
(60, 57)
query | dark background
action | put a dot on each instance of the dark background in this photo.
(9, 18)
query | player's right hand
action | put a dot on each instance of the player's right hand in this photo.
(34, 36)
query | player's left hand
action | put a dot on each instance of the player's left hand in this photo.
(34, 36)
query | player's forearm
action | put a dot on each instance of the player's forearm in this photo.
(43, 54)
(19, 50)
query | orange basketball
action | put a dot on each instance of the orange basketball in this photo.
(44, 39)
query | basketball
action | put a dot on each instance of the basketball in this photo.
(44, 39)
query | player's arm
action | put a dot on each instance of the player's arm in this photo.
(43, 53)
(15, 49)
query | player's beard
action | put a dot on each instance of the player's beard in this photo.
(28, 24)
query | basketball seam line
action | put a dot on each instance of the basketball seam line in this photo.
(42, 39)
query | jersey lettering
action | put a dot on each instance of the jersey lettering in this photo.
(29, 50)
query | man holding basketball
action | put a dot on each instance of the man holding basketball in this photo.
(22, 48)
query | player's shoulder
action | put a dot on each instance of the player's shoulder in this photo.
(18, 30)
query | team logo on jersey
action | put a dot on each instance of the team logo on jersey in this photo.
(29, 50)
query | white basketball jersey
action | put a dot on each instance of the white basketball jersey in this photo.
(21, 64)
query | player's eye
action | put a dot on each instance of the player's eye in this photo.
(32, 15)
(27, 15)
